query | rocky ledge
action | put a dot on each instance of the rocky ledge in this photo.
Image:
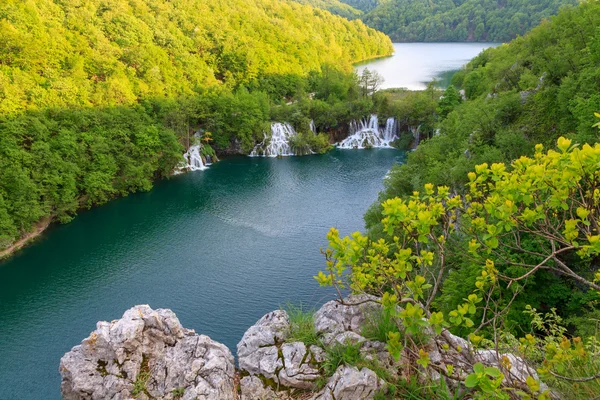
(147, 354)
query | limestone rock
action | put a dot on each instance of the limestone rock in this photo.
(147, 352)
(349, 383)
(263, 353)
(297, 370)
(258, 352)
(335, 318)
(252, 388)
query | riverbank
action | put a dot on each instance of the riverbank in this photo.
(39, 228)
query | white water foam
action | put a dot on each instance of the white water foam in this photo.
(277, 145)
(366, 133)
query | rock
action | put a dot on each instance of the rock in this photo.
(335, 318)
(297, 370)
(252, 388)
(258, 352)
(149, 354)
(348, 383)
(263, 353)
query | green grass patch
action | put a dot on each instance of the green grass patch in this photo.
(302, 325)
(341, 354)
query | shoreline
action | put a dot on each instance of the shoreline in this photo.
(29, 237)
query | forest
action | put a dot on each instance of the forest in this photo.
(452, 20)
(515, 100)
(98, 99)
(490, 228)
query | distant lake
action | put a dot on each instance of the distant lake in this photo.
(415, 64)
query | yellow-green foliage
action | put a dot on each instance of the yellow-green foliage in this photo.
(553, 199)
(109, 52)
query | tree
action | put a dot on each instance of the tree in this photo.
(449, 100)
(540, 214)
(370, 81)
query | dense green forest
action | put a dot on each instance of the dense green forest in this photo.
(532, 90)
(335, 7)
(92, 52)
(456, 20)
(99, 98)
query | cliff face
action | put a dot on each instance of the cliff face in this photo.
(147, 354)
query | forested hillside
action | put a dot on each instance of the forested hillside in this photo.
(98, 98)
(334, 6)
(456, 20)
(92, 52)
(533, 90)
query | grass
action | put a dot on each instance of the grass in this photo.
(139, 386)
(341, 354)
(302, 325)
(377, 326)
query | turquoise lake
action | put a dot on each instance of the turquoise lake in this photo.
(220, 247)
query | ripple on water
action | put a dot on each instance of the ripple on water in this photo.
(220, 247)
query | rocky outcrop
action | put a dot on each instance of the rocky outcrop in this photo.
(147, 354)
(262, 352)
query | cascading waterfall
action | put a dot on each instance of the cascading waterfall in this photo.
(192, 158)
(366, 134)
(313, 127)
(278, 144)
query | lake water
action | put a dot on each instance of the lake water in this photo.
(415, 64)
(220, 247)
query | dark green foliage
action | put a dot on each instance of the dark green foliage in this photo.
(54, 162)
(449, 101)
(464, 20)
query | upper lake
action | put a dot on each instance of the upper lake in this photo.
(221, 247)
(415, 64)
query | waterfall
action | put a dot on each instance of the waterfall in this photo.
(313, 127)
(366, 133)
(194, 159)
(278, 144)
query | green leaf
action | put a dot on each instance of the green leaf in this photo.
(471, 381)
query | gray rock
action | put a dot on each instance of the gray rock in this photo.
(348, 383)
(297, 370)
(263, 353)
(258, 352)
(149, 347)
(335, 318)
(252, 388)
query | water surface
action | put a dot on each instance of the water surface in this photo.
(220, 247)
(415, 64)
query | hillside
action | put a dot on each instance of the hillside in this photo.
(456, 20)
(93, 52)
(532, 90)
(99, 98)
(333, 6)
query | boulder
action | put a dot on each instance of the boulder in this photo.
(349, 383)
(263, 353)
(337, 321)
(147, 354)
